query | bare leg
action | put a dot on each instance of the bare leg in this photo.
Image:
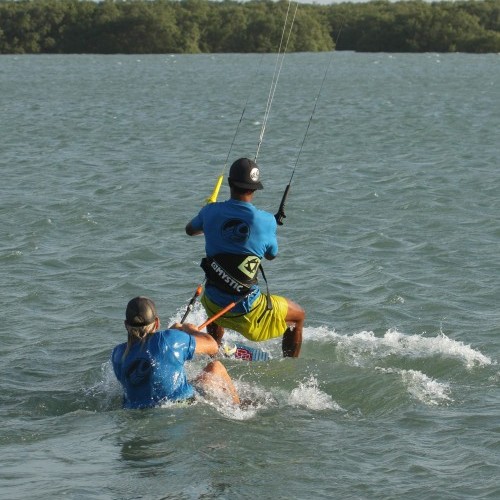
(216, 331)
(292, 338)
(215, 376)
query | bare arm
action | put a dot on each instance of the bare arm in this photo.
(205, 343)
(190, 231)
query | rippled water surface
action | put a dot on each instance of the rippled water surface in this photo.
(391, 244)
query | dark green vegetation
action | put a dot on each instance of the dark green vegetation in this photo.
(193, 26)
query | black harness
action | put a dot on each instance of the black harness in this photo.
(234, 274)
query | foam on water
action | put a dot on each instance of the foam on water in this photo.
(107, 389)
(366, 344)
(423, 388)
(365, 349)
(309, 395)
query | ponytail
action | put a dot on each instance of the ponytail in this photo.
(138, 334)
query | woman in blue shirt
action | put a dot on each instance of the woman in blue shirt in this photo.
(150, 365)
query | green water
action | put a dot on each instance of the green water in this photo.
(390, 244)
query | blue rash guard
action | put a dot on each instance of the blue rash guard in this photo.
(153, 370)
(236, 227)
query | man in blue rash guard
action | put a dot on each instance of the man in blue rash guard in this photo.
(237, 237)
(150, 365)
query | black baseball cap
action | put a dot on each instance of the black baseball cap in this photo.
(141, 311)
(244, 174)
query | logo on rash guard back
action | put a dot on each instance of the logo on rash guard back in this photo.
(139, 371)
(235, 230)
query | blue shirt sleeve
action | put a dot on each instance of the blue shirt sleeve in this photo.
(116, 359)
(197, 221)
(183, 344)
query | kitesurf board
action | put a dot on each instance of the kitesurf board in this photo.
(244, 352)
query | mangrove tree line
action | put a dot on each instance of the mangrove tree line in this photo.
(194, 26)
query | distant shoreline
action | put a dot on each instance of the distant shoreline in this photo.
(202, 26)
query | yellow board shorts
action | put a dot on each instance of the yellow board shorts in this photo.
(271, 325)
